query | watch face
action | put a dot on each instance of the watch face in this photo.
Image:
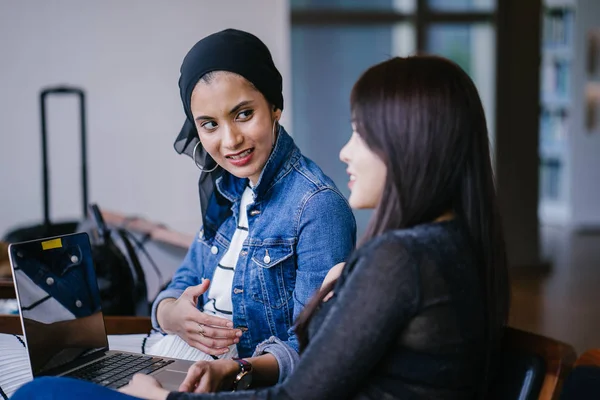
(244, 381)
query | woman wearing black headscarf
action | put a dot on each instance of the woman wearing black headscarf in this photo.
(273, 223)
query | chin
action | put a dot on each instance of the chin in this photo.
(355, 203)
(254, 168)
(358, 203)
(243, 172)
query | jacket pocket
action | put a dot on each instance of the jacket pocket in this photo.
(273, 275)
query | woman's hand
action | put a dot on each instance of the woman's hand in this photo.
(210, 376)
(332, 275)
(213, 335)
(145, 387)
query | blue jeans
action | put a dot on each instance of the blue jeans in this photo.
(50, 388)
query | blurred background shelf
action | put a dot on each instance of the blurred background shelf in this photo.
(556, 103)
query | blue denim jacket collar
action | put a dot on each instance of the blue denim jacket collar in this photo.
(277, 165)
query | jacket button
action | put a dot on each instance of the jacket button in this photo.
(267, 259)
(214, 249)
(243, 253)
(49, 281)
(242, 328)
(238, 291)
(254, 212)
(78, 303)
(74, 259)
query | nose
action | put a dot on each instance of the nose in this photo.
(232, 138)
(344, 153)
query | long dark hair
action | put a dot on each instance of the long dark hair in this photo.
(423, 117)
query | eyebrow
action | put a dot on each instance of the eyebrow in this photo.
(234, 110)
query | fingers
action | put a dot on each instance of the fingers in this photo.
(214, 351)
(214, 338)
(217, 344)
(194, 374)
(188, 383)
(196, 291)
(212, 320)
(333, 274)
(141, 385)
(328, 296)
(209, 376)
(205, 385)
(218, 333)
(137, 378)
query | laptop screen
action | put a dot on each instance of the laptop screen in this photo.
(58, 299)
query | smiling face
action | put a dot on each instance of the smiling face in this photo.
(235, 123)
(367, 173)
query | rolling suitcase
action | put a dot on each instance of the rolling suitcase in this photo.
(47, 228)
(121, 279)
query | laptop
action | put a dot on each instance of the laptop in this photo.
(61, 316)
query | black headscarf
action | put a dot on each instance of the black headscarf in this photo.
(233, 51)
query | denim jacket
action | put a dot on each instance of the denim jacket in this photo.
(300, 226)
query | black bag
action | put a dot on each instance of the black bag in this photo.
(48, 228)
(121, 278)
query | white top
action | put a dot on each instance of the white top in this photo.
(219, 293)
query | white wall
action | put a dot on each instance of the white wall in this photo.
(126, 54)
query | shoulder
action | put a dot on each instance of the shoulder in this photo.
(326, 208)
(310, 188)
(412, 244)
(321, 186)
(386, 264)
(392, 246)
(419, 237)
(309, 173)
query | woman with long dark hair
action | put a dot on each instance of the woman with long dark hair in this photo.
(419, 308)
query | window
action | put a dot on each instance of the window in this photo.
(334, 41)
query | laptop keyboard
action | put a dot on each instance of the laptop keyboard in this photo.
(116, 370)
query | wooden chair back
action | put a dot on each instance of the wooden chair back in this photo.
(531, 366)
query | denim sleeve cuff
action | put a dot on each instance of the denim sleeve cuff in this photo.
(165, 294)
(286, 356)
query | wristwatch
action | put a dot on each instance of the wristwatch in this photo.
(243, 379)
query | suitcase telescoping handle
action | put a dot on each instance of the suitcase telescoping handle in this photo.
(63, 90)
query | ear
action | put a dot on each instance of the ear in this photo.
(276, 114)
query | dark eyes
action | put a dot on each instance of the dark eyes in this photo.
(245, 114)
(209, 125)
(242, 116)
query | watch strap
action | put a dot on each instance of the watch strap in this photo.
(245, 366)
(244, 376)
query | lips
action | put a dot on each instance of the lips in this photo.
(242, 158)
(240, 155)
(351, 181)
